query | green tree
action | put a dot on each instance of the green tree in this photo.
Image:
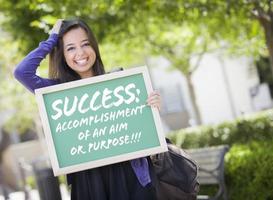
(29, 21)
(14, 99)
(244, 26)
(133, 28)
(252, 11)
(184, 45)
(179, 30)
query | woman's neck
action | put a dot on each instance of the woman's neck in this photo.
(87, 74)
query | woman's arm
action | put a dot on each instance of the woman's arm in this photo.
(25, 71)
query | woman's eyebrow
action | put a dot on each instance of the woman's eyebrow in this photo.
(70, 44)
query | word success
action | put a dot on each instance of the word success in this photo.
(99, 99)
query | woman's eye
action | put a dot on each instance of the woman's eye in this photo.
(86, 44)
(70, 48)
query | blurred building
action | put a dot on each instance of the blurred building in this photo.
(225, 88)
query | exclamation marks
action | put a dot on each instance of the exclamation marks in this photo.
(138, 135)
(135, 137)
(138, 92)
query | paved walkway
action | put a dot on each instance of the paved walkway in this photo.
(34, 195)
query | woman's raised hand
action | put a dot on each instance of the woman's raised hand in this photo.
(154, 100)
(56, 27)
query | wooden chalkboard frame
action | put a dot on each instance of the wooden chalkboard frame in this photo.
(105, 161)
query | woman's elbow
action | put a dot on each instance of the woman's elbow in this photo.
(17, 73)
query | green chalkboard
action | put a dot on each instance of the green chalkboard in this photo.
(100, 120)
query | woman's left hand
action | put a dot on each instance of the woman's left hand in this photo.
(154, 100)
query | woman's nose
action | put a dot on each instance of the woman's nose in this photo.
(80, 52)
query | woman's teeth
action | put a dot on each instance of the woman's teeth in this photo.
(81, 62)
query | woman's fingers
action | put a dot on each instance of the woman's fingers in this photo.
(154, 95)
(56, 27)
(154, 104)
(155, 92)
(154, 100)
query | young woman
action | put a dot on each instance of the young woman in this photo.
(74, 54)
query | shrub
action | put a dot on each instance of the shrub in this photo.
(258, 127)
(249, 162)
(249, 171)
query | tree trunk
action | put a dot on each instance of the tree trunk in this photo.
(193, 99)
(268, 30)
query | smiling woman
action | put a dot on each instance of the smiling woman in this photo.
(74, 55)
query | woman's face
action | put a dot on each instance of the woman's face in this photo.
(78, 53)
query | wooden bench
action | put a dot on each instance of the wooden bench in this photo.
(211, 169)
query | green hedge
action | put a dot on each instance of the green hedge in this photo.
(248, 164)
(249, 173)
(257, 127)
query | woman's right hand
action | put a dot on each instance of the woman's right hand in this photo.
(56, 27)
